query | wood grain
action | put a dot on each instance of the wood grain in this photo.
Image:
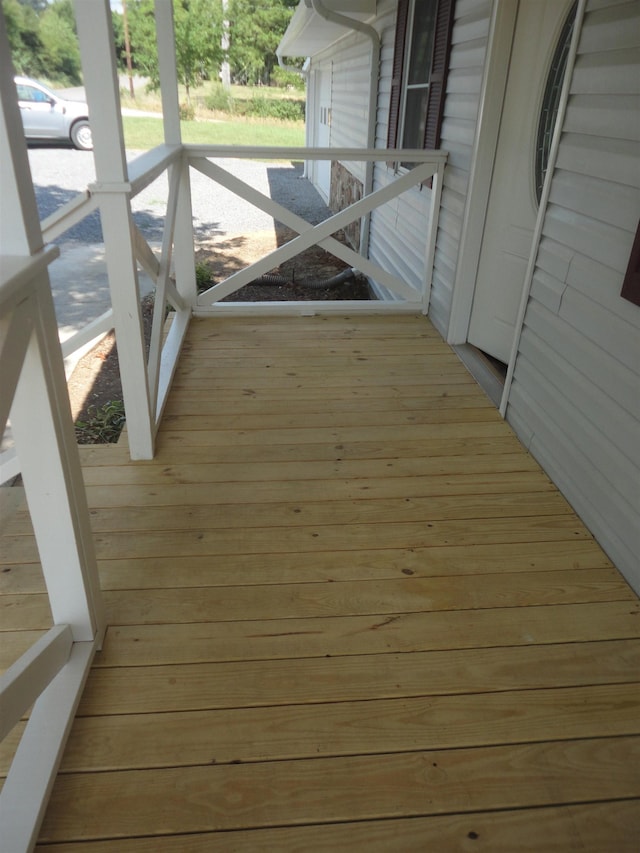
(343, 571)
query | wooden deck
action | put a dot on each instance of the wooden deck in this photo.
(347, 611)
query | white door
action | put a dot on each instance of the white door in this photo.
(512, 207)
(323, 119)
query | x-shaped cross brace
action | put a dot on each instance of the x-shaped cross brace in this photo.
(310, 235)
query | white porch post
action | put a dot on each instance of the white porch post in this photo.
(184, 261)
(101, 81)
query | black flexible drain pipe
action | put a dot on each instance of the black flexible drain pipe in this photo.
(345, 275)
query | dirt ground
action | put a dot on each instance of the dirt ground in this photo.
(96, 378)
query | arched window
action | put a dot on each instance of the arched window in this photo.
(551, 100)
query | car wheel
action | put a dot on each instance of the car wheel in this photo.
(81, 136)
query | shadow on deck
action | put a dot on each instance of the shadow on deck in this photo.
(347, 611)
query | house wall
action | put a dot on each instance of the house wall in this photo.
(350, 64)
(575, 399)
(398, 231)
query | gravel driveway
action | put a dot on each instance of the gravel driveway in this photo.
(59, 173)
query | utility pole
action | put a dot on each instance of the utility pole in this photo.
(225, 72)
(127, 48)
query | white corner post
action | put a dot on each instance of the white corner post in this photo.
(113, 190)
(184, 260)
(49, 677)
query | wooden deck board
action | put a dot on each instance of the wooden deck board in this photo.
(321, 790)
(591, 828)
(346, 611)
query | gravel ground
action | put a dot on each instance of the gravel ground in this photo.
(60, 173)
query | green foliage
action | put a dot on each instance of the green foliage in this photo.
(255, 30)
(288, 79)
(103, 425)
(187, 112)
(219, 99)
(22, 30)
(43, 39)
(44, 44)
(61, 53)
(198, 31)
(285, 109)
(260, 105)
(203, 276)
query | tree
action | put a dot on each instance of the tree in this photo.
(43, 39)
(61, 53)
(255, 30)
(198, 30)
(22, 30)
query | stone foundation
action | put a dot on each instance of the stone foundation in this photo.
(345, 190)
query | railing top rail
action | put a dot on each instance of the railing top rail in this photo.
(150, 165)
(18, 272)
(267, 152)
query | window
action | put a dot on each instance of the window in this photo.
(551, 101)
(631, 284)
(28, 93)
(421, 60)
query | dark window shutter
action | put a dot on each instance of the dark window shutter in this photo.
(631, 284)
(438, 78)
(439, 69)
(396, 79)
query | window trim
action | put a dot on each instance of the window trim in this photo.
(438, 77)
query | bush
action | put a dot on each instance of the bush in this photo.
(203, 276)
(286, 109)
(187, 112)
(219, 99)
(287, 79)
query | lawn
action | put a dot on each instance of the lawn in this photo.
(141, 133)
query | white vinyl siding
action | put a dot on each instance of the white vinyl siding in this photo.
(575, 399)
(398, 234)
(399, 229)
(350, 63)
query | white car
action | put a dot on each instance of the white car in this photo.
(47, 116)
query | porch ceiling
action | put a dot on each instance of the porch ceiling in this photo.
(308, 33)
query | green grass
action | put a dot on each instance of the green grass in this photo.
(140, 134)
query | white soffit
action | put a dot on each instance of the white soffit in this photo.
(308, 33)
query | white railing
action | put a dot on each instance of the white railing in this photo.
(49, 677)
(428, 165)
(163, 355)
(175, 160)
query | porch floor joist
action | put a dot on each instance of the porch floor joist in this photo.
(347, 611)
